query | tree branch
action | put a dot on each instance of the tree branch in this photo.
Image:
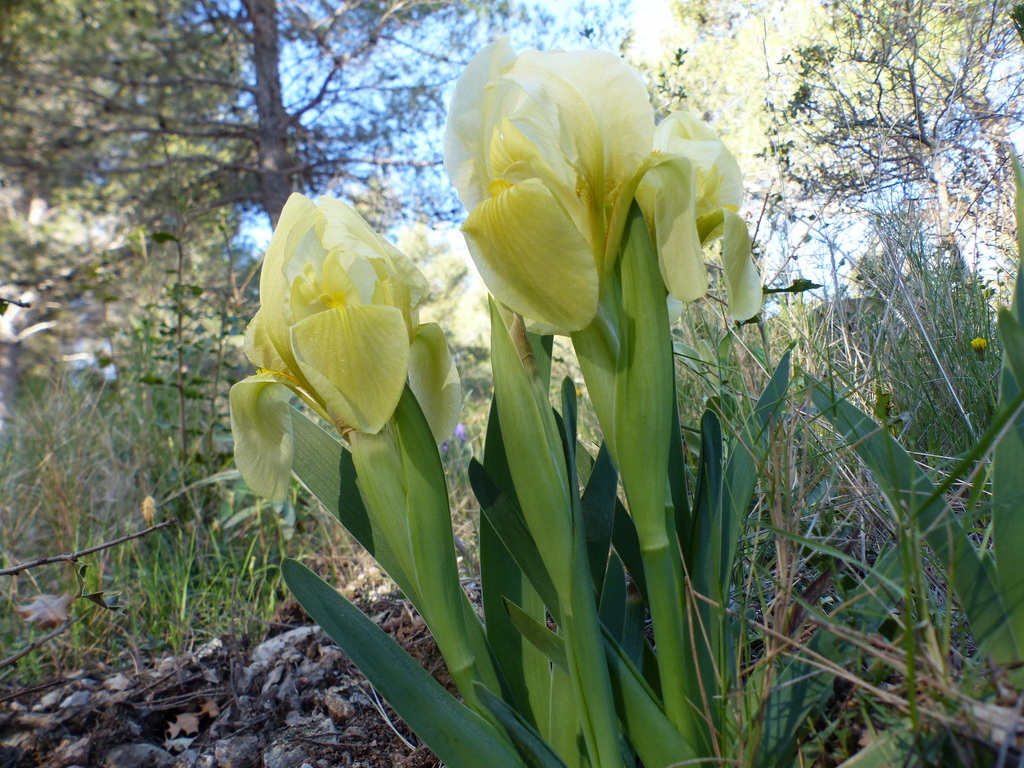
(73, 556)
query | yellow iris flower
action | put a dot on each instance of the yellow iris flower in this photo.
(548, 151)
(337, 326)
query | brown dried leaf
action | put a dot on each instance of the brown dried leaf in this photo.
(186, 722)
(210, 709)
(46, 611)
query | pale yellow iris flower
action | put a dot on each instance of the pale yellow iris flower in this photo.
(548, 151)
(690, 195)
(338, 327)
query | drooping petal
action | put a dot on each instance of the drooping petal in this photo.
(667, 197)
(357, 360)
(476, 109)
(532, 257)
(434, 379)
(719, 181)
(258, 347)
(742, 281)
(261, 423)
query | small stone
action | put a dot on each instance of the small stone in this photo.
(76, 699)
(237, 752)
(338, 707)
(332, 657)
(186, 759)
(270, 685)
(72, 752)
(210, 649)
(282, 754)
(282, 645)
(294, 718)
(138, 755)
(49, 701)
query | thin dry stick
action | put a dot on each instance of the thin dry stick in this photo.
(28, 691)
(10, 661)
(73, 556)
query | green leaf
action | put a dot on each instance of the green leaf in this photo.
(525, 669)
(893, 747)
(598, 508)
(798, 690)
(402, 480)
(163, 237)
(627, 361)
(627, 545)
(1012, 335)
(704, 557)
(568, 424)
(746, 456)
(533, 446)
(613, 605)
(536, 752)
(327, 470)
(1008, 456)
(677, 484)
(643, 718)
(563, 728)
(510, 527)
(540, 637)
(456, 734)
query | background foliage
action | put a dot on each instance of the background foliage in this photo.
(145, 145)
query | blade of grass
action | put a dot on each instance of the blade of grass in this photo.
(905, 486)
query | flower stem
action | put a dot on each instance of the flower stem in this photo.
(664, 573)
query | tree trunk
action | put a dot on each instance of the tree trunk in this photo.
(10, 351)
(276, 168)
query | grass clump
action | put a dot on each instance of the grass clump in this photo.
(66, 486)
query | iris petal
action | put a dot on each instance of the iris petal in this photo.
(299, 215)
(478, 104)
(718, 176)
(591, 107)
(667, 196)
(258, 346)
(434, 379)
(357, 360)
(346, 230)
(742, 281)
(261, 423)
(533, 258)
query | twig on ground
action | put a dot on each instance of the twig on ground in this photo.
(10, 661)
(36, 689)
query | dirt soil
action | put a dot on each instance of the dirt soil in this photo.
(295, 700)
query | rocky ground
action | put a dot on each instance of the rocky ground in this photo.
(292, 701)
